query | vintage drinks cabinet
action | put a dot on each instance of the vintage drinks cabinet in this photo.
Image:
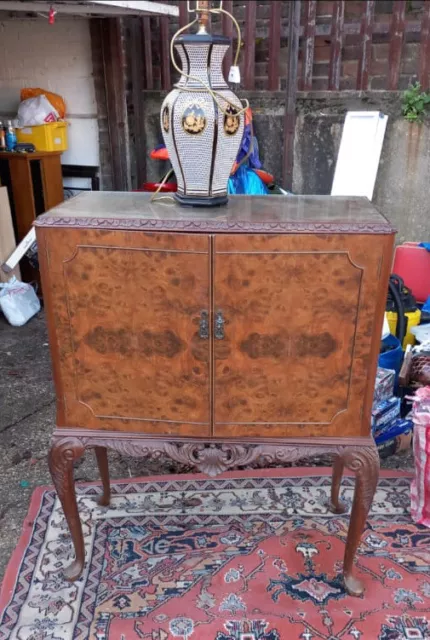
(224, 337)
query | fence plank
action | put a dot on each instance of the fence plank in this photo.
(309, 45)
(274, 44)
(250, 21)
(425, 47)
(165, 53)
(137, 84)
(290, 106)
(397, 32)
(366, 50)
(227, 29)
(114, 76)
(350, 28)
(183, 14)
(336, 45)
(147, 53)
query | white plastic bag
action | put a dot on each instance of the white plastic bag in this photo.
(18, 301)
(421, 332)
(36, 111)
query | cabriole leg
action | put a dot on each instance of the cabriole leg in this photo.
(61, 457)
(365, 463)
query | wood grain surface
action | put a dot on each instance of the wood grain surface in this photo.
(125, 310)
(53, 192)
(299, 317)
(285, 368)
(302, 318)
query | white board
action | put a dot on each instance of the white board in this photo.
(83, 138)
(7, 235)
(20, 250)
(359, 154)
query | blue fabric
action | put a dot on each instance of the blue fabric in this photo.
(426, 245)
(254, 158)
(246, 182)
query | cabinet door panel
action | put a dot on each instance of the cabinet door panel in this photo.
(126, 308)
(299, 316)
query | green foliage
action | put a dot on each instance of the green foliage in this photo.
(415, 103)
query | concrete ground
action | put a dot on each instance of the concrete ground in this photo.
(27, 416)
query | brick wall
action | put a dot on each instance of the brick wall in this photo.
(55, 57)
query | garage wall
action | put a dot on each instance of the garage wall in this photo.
(58, 58)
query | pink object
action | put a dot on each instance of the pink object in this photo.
(420, 487)
(412, 264)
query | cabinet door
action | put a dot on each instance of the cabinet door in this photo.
(124, 313)
(301, 333)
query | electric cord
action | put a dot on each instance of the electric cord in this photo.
(160, 186)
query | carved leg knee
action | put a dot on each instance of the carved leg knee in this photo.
(61, 457)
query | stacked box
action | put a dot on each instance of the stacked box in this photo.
(397, 444)
(394, 429)
(385, 413)
(384, 385)
(392, 433)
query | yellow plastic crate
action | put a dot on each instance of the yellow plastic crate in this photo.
(45, 137)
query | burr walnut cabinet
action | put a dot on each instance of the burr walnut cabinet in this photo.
(221, 338)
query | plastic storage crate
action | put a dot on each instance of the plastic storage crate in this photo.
(45, 137)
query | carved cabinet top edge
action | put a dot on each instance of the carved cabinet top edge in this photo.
(242, 214)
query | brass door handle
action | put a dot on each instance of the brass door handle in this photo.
(204, 325)
(219, 326)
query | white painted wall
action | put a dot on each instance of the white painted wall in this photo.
(55, 57)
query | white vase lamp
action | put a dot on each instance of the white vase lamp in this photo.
(202, 134)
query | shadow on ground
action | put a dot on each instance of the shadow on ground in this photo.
(27, 417)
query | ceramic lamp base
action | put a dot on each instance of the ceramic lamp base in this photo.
(196, 201)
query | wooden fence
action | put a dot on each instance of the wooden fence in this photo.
(334, 23)
(305, 45)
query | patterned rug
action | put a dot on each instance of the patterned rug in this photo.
(247, 556)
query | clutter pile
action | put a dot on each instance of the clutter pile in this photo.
(402, 362)
(392, 433)
(39, 125)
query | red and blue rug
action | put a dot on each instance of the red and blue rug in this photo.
(247, 556)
